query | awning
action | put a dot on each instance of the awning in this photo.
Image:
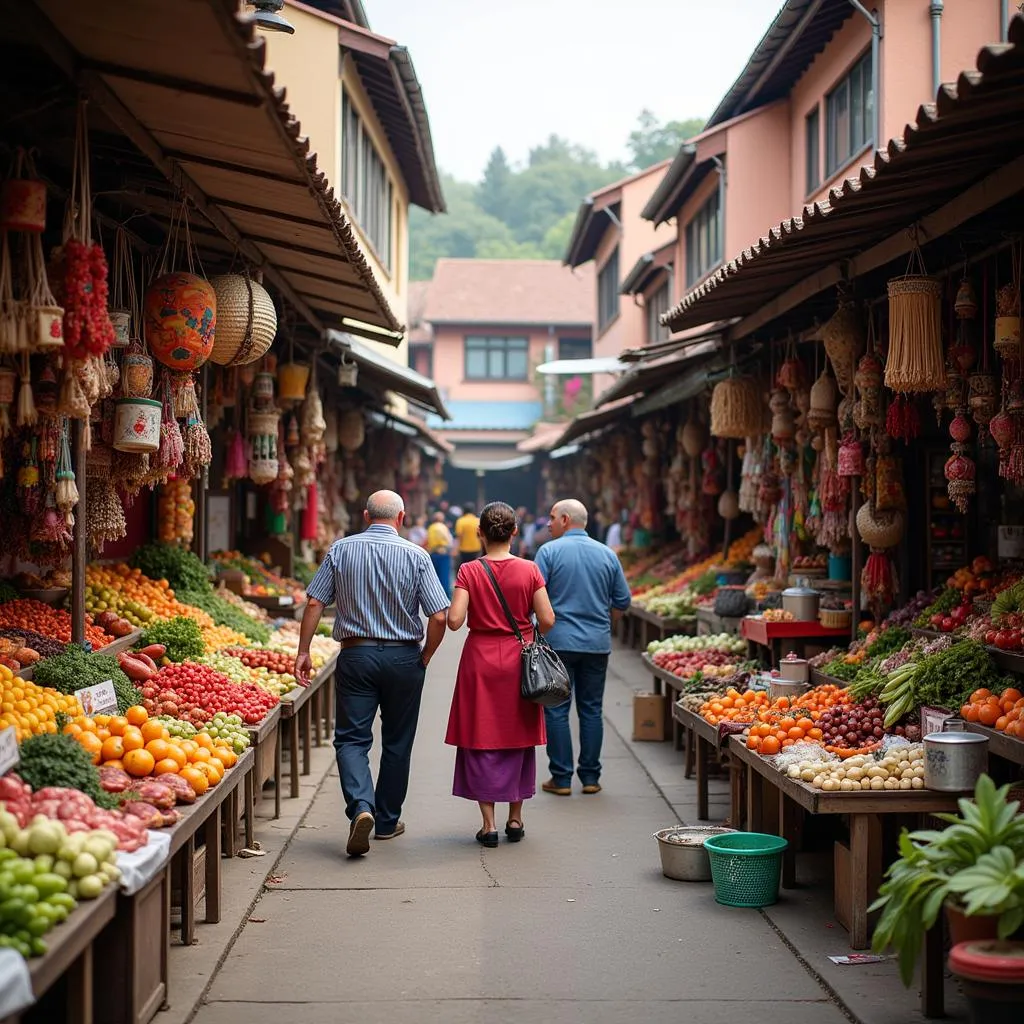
(594, 420)
(187, 85)
(389, 375)
(964, 155)
(576, 367)
(676, 343)
(411, 428)
(487, 460)
(544, 437)
(644, 271)
(647, 376)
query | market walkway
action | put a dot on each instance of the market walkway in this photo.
(576, 924)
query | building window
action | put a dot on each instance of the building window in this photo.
(849, 116)
(421, 359)
(608, 291)
(813, 131)
(365, 182)
(657, 306)
(575, 348)
(704, 240)
(496, 358)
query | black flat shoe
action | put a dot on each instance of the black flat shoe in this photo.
(488, 839)
(515, 832)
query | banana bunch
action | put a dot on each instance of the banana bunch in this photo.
(898, 694)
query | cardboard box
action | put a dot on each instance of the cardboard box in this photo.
(650, 717)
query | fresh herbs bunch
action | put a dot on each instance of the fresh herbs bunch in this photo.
(182, 569)
(182, 638)
(224, 613)
(978, 862)
(53, 759)
(888, 641)
(75, 668)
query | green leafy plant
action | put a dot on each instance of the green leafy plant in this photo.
(224, 613)
(182, 638)
(978, 863)
(181, 568)
(75, 668)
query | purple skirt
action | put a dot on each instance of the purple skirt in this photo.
(495, 776)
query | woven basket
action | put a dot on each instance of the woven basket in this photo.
(263, 422)
(916, 361)
(844, 340)
(736, 408)
(879, 529)
(246, 320)
(351, 430)
(835, 618)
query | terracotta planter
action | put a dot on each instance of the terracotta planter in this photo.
(980, 928)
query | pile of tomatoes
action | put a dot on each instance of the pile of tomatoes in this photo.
(195, 693)
(1004, 713)
(25, 613)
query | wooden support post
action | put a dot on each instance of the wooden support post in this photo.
(80, 541)
(211, 836)
(203, 483)
(702, 776)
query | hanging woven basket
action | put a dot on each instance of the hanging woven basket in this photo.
(844, 338)
(879, 529)
(916, 361)
(246, 320)
(694, 438)
(351, 430)
(736, 409)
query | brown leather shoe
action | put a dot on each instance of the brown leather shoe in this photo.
(551, 787)
(592, 788)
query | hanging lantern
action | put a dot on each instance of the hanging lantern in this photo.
(879, 529)
(954, 393)
(791, 375)
(844, 338)
(736, 410)
(246, 320)
(292, 379)
(1007, 333)
(262, 431)
(960, 428)
(959, 472)
(1003, 429)
(822, 412)
(966, 304)
(180, 318)
(915, 362)
(348, 372)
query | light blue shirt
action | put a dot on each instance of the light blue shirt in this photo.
(585, 581)
(379, 583)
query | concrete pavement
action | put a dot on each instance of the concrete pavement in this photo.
(575, 924)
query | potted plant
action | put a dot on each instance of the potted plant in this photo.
(975, 867)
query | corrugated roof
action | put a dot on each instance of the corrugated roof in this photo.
(800, 31)
(469, 415)
(974, 128)
(594, 420)
(654, 373)
(512, 292)
(192, 93)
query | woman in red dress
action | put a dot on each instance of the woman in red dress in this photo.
(495, 730)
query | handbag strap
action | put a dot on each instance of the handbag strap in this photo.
(504, 604)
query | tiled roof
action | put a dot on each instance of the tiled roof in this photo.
(419, 329)
(466, 415)
(510, 292)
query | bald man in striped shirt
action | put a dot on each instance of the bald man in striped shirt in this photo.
(381, 586)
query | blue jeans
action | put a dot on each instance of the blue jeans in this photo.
(586, 677)
(369, 677)
(443, 567)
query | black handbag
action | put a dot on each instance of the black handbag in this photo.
(543, 678)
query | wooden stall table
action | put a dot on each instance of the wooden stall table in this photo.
(70, 954)
(704, 739)
(1007, 747)
(296, 716)
(793, 636)
(206, 814)
(657, 627)
(266, 765)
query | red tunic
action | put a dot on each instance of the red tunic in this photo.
(487, 711)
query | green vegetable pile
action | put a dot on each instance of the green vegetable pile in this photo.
(182, 569)
(839, 669)
(304, 571)
(182, 638)
(888, 641)
(944, 603)
(76, 668)
(53, 759)
(7, 592)
(224, 613)
(705, 585)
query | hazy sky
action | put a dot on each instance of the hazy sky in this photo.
(512, 72)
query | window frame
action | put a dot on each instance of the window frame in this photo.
(812, 150)
(493, 345)
(655, 305)
(704, 240)
(582, 343)
(366, 184)
(608, 291)
(849, 113)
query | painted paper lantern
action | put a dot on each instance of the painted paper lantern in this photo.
(1002, 428)
(180, 318)
(960, 428)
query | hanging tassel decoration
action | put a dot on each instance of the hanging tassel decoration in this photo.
(172, 445)
(198, 450)
(26, 402)
(236, 463)
(67, 488)
(902, 420)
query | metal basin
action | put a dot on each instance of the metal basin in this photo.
(683, 856)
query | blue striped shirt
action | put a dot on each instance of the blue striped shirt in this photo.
(379, 583)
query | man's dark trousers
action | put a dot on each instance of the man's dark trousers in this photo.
(372, 676)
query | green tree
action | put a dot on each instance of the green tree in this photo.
(492, 195)
(651, 141)
(556, 238)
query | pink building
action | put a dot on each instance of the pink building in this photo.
(481, 328)
(803, 116)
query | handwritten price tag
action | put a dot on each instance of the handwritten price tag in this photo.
(8, 750)
(99, 699)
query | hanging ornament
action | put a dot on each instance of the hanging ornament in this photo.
(965, 305)
(291, 437)
(850, 461)
(869, 410)
(198, 452)
(983, 397)
(235, 463)
(67, 489)
(960, 428)
(959, 473)
(903, 421)
(26, 402)
(1007, 326)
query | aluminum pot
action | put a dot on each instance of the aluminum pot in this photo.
(786, 688)
(802, 602)
(953, 761)
(683, 856)
(795, 670)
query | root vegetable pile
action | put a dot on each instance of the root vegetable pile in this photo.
(902, 767)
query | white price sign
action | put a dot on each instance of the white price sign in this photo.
(8, 749)
(285, 601)
(99, 699)
(1011, 542)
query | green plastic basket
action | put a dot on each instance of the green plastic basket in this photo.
(745, 867)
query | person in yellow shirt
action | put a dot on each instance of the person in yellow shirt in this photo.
(467, 532)
(439, 547)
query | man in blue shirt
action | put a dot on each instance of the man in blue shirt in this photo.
(588, 592)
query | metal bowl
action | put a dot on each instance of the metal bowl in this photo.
(683, 856)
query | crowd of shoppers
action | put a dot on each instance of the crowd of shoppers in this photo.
(555, 579)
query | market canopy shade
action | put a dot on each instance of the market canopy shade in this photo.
(389, 375)
(185, 82)
(594, 420)
(411, 428)
(573, 367)
(654, 373)
(964, 154)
